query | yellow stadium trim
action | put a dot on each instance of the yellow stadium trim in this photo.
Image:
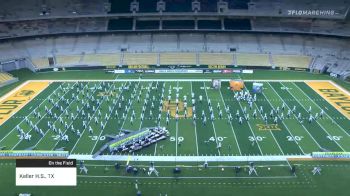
(338, 98)
(19, 98)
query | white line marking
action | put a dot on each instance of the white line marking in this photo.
(315, 121)
(216, 139)
(321, 108)
(295, 116)
(232, 129)
(195, 128)
(284, 124)
(27, 115)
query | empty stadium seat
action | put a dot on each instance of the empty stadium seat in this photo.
(5, 77)
(101, 59)
(140, 59)
(291, 61)
(177, 58)
(216, 58)
(246, 59)
(68, 60)
(41, 63)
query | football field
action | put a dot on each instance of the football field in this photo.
(108, 106)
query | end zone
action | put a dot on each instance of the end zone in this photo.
(337, 97)
(20, 97)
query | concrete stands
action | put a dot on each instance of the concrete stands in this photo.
(246, 59)
(216, 58)
(6, 79)
(101, 59)
(178, 58)
(294, 61)
(140, 59)
(177, 49)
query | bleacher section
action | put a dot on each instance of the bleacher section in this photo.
(177, 58)
(246, 49)
(293, 61)
(6, 79)
(40, 63)
(216, 58)
(140, 58)
(101, 59)
(244, 59)
(67, 60)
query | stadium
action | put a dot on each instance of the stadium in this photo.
(177, 97)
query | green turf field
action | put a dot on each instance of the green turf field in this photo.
(190, 141)
(252, 137)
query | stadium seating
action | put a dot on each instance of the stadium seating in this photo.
(101, 59)
(216, 58)
(40, 63)
(165, 42)
(245, 59)
(291, 61)
(212, 48)
(178, 58)
(191, 42)
(140, 58)
(138, 43)
(67, 60)
(4, 78)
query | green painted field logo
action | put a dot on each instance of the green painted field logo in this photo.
(268, 127)
(24, 93)
(106, 94)
(172, 108)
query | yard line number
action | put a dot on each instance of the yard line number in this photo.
(256, 138)
(294, 138)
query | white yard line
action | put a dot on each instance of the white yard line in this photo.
(270, 129)
(40, 121)
(28, 115)
(315, 121)
(216, 139)
(195, 128)
(70, 123)
(55, 121)
(295, 116)
(109, 116)
(232, 129)
(177, 127)
(284, 124)
(141, 122)
(321, 108)
(251, 130)
(122, 126)
(103, 100)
